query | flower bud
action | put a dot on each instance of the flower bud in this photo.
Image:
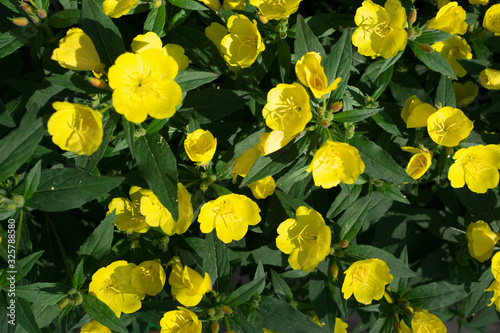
(350, 131)
(139, 132)
(344, 244)
(78, 300)
(426, 48)
(215, 327)
(41, 13)
(27, 8)
(157, 3)
(98, 83)
(411, 34)
(334, 271)
(35, 19)
(337, 106)
(20, 21)
(263, 19)
(226, 309)
(325, 123)
(11, 206)
(63, 303)
(18, 200)
(413, 16)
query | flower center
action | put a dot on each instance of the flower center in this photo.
(382, 29)
(331, 160)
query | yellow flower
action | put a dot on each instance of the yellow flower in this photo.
(448, 126)
(381, 30)
(212, 4)
(143, 84)
(491, 20)
(157, 215)
(419, 163)
(200, 146)
(118, 8)
(128, 217)
(340, 326)
(94, 326)
(77, 52)
(234, 4)
(495, 287)
(450, 18)
(416, 112)
(336, 162)
(490, 78)
(76, 128)
(403, 328)
(287, 109)
(495, 266)
(312, 74)
(481, 240)
(307, 239)
(276, 9)
(188, 286)
(150, 40)
(479, 2)
(441, 3)
(465, 93)
(230, 215)
(149, 277)
(270, 142)
(112, 285)
(476, 166)
(423, 321)
(454, 48)
(263, 188)
(366, 279)
(245, 161)
(180, 321)
(243, 43)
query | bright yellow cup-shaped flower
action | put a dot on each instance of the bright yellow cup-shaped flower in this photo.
(495, 266)
(312, 74)
(77, 52)
(490, 78)
(230, 215)
(465, 93)
(76, 128)
(245, 161)
(381, 30)
(188, 286)
(94, 326)
(491, 20)
(149, 277)
(423, 321)
(150, 40)
(270, 142)
(212, 4)
(476, 166)
(200, 146)
(128, 216)
(495, 287)
(336, 162)
(276, 9)
(416, 112)
(157, 215)
(448, 126)
(112, 285)
(307, 239)
(287, 109)
(243, 43)
(419, 163)
(452, 49)
(366, 279)
(450, 18)
(143, 84)
(180, 321)
(481, 240)
(263, 188)
(118, 8)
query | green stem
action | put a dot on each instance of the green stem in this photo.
(19, 229)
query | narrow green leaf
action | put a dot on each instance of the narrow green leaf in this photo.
(75, 82)
(24, 265)
(353, 218)
(158, 166)
(25, 317)
(305, 40)
(477, 298)
(289, 203)
(42, 293)
(322, 301)
(32, 180)
(242, 325)
(78, 276)
(344, 199)
(99, 311)
(445, 95)
(155, 21)
(392, 193)
(432, 36)
(109, 129)
(386, 123)
(65, 18)
(338, 64)
(129, 131)
(189, 79)
(353, 116)
(246, 291)
(280, 286)
(216, 262)
(435, 295)
(284, 59)
(9, 43)
(432, 59)
(188, 4)
(98, 244)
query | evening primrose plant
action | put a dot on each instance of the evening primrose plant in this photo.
(211, 166)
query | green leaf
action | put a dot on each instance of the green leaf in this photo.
(386, 123)
(241, 325)
(353, 218)
(353, 116)
(18, 146)
(322, 301)
(42, 293)
(284, 59)
(397, 267)
(65, 18)
(102, 31)
(78, 276)
(338, 64)
(290, 204)
(435, 295)
(109, 129)
(129, 131)
(75, 82)
(306, 41)
(477, 298)
(246, 291)
(392, 193)
(24, 265)
(280, 286)
(32, 180)
(432, 36)
(63, 189)
(383, 325)
(432, 59)
(216, 262)
(9, 43)
(158, 166)
(189, 79)
(188, 4)
(99, 311)
(155, 21)
(25, 317)
(98, 244)
(445, 95)
(378, 163)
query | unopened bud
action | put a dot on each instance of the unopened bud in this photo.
(98, 83)
(78, 300)
(325, 123)
(411, 34)
(350, 132)
(20, 21)
(63, 303)
(11, 206)
(27, 8)
(204, 187)
(283, 34)
(139, 132)
(426, 48)
(41, 13)
(329, 116)
(215, 327)
(337, 106)
(343, 244)
(35, 19)
(18, 200)
(334, 271)
(134, 245)
(263, 19)
(413, 16)
(226, 309)
(157, 3)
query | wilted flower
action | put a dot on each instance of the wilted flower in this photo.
(149, 277)
(381, 30)
(77, 52)
(245, 161)
(263, 188)
(336, 162)
(476, 166)
(419, 163)
(180, 321)
(491, 20)
(495, 287)
(150, 40)
(490, 78)
(366, 279)
(188, 286)
(143, 84)
(118, 8)
(307, 239)
(452, 49)
(416, 112)
(112, 285)
(157, 215)
(481, 240)
(312, 74)
(230, 215)
(423, 321)
(450, 18)
(94, 326)
(276, 9)
(200, 146)
(465, 93)
(287, 109)
(128, 216)
(448, 126)
(76, 128)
